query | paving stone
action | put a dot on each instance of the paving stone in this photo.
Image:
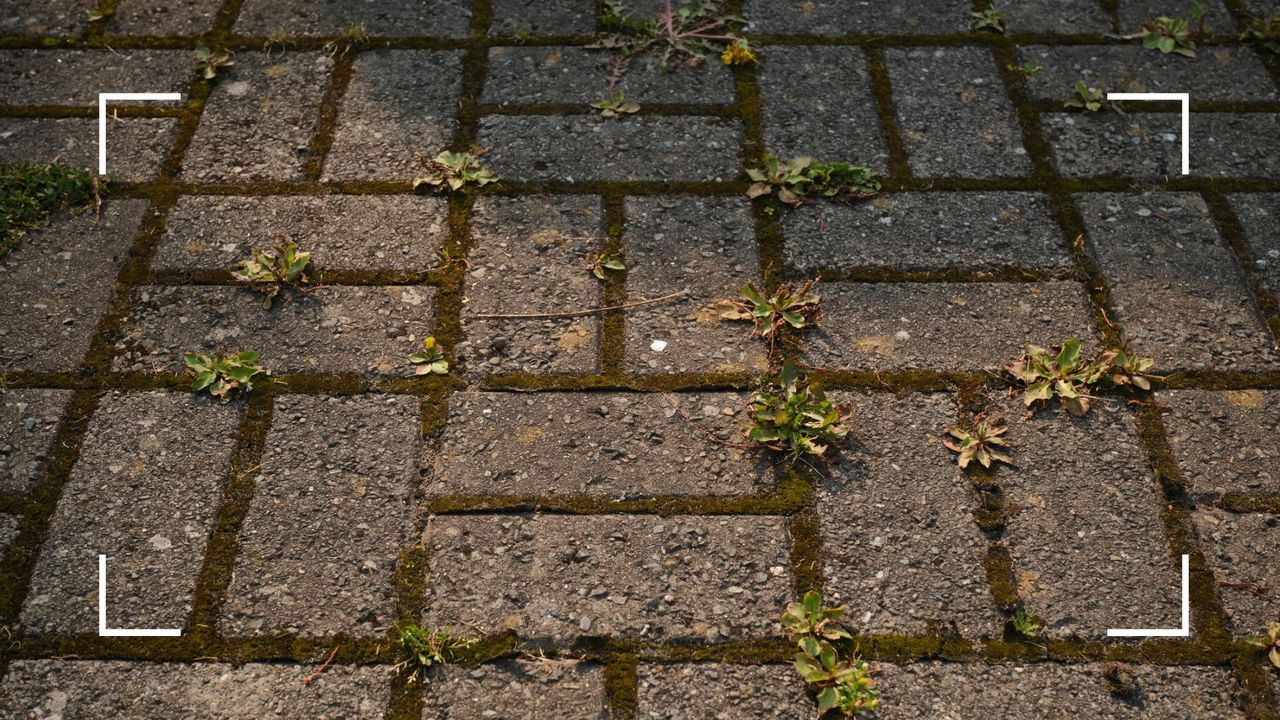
(334, 329)
(144, 492)
(1225, 441)
(1084, 528)
(1177, 292)
(922, 231)
(75, 77)
(402, 233)
(259, 119)
(1259, 215)
(46, 17)
(440, 18)
(28, 422)
(58, 281)
(136, 147)
(818, 102)
(530, 256)
(518, 689)
(8, 530)
(399, 108)
(1240, 549)
(554, 577)
(539, 17)
(1220, 73)
(705, 246)
(75, 689)
(163, 17)
(608, 444)
(1053, 691)
(694, 691)
(579, 76)
(330, 513)
(1149, 145)
(942, 326)
(1063, 17)
(863, 17)
(953, 113)
(901, 549)
(639, 148)
(1133, 13)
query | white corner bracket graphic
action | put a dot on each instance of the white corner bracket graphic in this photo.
(1185, 630)
(1185, 99)
(103, 630)
(103, 99)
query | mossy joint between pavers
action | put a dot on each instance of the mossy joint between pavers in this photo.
(1230, 229)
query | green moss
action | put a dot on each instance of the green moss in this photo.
(30, 194)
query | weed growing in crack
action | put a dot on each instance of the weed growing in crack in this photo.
(1027, 68)
(793, 416)
(979, 441)
(991, 20)
(602, 263)
(277, 40)
(739, 52)
(689, 33)
(30, 193)
(453, 171)
(1026, 624)
(222, 376)
(353, 34)
(1174, 34)
(101, 11)
(1091, 98)
(422, 648)
(430, 361)
(772, 313)
(270, 271)
(1264, 31)
(616, 106)
(801, 177)
(1069, 377)
(212, 62)
(843, 685)
(1271, 643)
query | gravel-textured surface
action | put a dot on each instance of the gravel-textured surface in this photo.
(1239, 550)
(163, 17)
(719, 691)
(869, 17)
(44, 17)
(136, 146)
(8, 530)
(1133, 13)
(1067, 17)
(28, 422)
(517, 689)
(440, 18)
(1226, 441)
(538, 17)
(1224, 73)
(1259, 215)
(75, 77)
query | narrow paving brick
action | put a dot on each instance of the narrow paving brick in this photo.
(1133, 13)
(1259, 215)
(440, 18)
(1240, 550)
(334, 329)
(8, 530)
(1084, 528)
(638, 148)
(865, 17)
(918, 231)
(45, 17)
(330, 513)
(928, 691)
(517, 689)
(1177, 292)
(143, 492)
(402, 233)
(28, 422)
(163, 17)
(694, 691)
(75, 77)
(953, 113)
(942, 326)
(136, 147)
(1225, 441)
(555, 577)
(1221, 73)
(579, 76)
(531, 255)
(193, 691)
(900, 547)
(399, 108)
(1063, 17)
(703, 246)
(259, 119)
(536, 17)
(58, 281)
(613, 445)
(818, 102)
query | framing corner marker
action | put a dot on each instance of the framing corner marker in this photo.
(103, 630)
(1184, 631)
(1185, 99)
(103, 99)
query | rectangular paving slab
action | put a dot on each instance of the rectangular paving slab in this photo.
(606, 444)
(863, 17)
(690, 691)
(1259, 215)
(1133, 13)
(163, 17)
(517, 689)
(440, 18)
(75, 77)
(556, 577)
(45, 17)
(538, 18)
(144, 492)
(1226, 441)
(1065, 17)
(28, 422)
(1240, 549)
(136, 146)
(1219, 73)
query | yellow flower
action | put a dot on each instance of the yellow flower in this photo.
(738, 53)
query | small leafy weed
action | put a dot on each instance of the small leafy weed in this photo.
(452, 171)
(222, 376)
(210, 63)
(422, 648)
(772, 313)
(1092, 98)
(1264, 31)
(1026, 68)
(809, 617)
(602, 263)
(978, 441)
(1271, 643)
(1069, 377)
(990, 19)
(1026, 624)
(800, 177)
(794, 416)
(844, 686)
(616, 106)
(688, 33)
(30, 193)
(1174, 34)
(430, 361)
(270, 271)
(101, 11)
(738, 52)
(353, 34)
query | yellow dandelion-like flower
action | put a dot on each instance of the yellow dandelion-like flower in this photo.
(738, 53)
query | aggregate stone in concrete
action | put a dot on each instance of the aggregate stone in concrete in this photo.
(607, 444)
(538, 17)
(953, 113)
(817, 102)
(1259, 215)
(705, 246)
(1176, 289)
(333, 329)
(531, 256)
(579, 76)
(330, 513)
(1133, 13)
(1084, 530)
(548, 688)
(136, 146)
(144, 492)
(698, 691)
(28, 422)
(58, 281)
(942, 326)
(75, 77)
(1241, 551)
(399, 108)
(163, 17)
(441, 18)
(84, 689)
(558, 577)
(1225, 441)
(900, 547)
(590, 147)
(402, 233)
(863, 17)
(1219, 73)
(920, 231)
(1062, 17)
(8, 530)
(46, 17)
(259, 119)
(1053, 691)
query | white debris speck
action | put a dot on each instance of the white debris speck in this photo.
(658, 345)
